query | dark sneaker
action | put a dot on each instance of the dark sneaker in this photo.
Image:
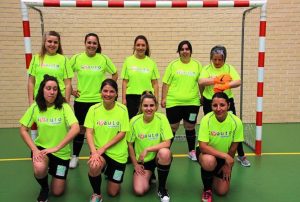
(43, 196)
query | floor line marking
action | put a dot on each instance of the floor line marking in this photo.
(174, 155)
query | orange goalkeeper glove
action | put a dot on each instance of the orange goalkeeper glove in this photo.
(221, 87)
(223, 78)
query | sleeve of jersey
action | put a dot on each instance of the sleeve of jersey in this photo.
(72, 63)
(200, 69)
(89, 118)
(239, 132)
(155, 74)
(69, 114)
(234, 74)
(111, 68)
(203, 134)
(68, 73)
(166, 128)
(124, 74)
(130, 137)
(204, 73)
(29, 117)
(125, 121)
(32, 67)
(167, 75)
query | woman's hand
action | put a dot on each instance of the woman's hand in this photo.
(75, 93)
(226, 172)
(143, 155)
(139, 169)
(38, 155)
(95, 160)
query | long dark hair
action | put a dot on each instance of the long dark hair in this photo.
(99, 49)
(147, 44)
(40, 99)
(187, 43)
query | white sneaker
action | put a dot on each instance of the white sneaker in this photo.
(163, 195)
(73, 162)
(192, 155)
(244, 161)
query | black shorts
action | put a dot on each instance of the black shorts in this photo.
(220, 163)
(133, 104)
(207, 106)
(81, 109)
(187, 113)
(57, 167)
(114, 170)
(150, 165)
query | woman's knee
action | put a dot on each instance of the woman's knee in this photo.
(164, 156)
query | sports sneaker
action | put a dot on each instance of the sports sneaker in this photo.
(96, 198)
(207, 196)
(163, 195)
(244, 161)
(43, 196)
(73, 162)
(192, 155)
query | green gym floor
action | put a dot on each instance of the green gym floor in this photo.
(273, 177)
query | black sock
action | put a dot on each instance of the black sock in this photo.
(96, 184)
(207, 179)
(162, 172)
(77, 144)
(43, 182)
(191, 138)
(240, 149)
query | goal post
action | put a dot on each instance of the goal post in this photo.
(26, 4)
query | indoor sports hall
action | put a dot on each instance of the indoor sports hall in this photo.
(262, 41)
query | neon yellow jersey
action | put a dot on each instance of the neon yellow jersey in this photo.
(148, 134)
(139, 73)
(220, 135)
(106, 125)
(210, 71)
(90, 74)
(53, 65)
(53, 126)
(182, 80)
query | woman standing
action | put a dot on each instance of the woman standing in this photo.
(106, 124)
(180, 94)
(91, 67)
(139, 73)
(50, 61)
(221, 77)
(219, 135)
(57, 127)
(149, 141)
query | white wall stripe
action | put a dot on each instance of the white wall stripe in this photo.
(27, 43)
(163, 3)
(100, 3)
(68, 3)
(258, 133)
(260, 74)
(195, 4)
(226, 3)
(132, 4)
(262, 44)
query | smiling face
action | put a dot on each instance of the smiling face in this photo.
(140, 48)
(185, 53)
(91, 45)
(50, 92)
(148, 107)
(220, 108)
(51, 44)
(218, 60)
(109, 95)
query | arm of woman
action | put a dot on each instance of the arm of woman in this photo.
(115, 76)
(30, 88)
(68, 89)
(139, 168)
(206, 82)
(112, 142)
(155, 87)
(235, 84)
(124, 87)
(155, 148)
(206, 149)
(164, 93)
(73, 131)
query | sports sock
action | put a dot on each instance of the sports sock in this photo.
(77, 144)
(43, 182)
(162, 172)
(96, 184)
(207, 179)
(191, 138)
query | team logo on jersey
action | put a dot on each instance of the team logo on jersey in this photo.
(140, 69)
(151, 136)
(51, 121)
(109, 124)
(50, 66)
(220, 134)
(185, 73)
(91, 67)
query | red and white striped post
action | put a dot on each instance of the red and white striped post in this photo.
(165, 4)
(260, 79)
